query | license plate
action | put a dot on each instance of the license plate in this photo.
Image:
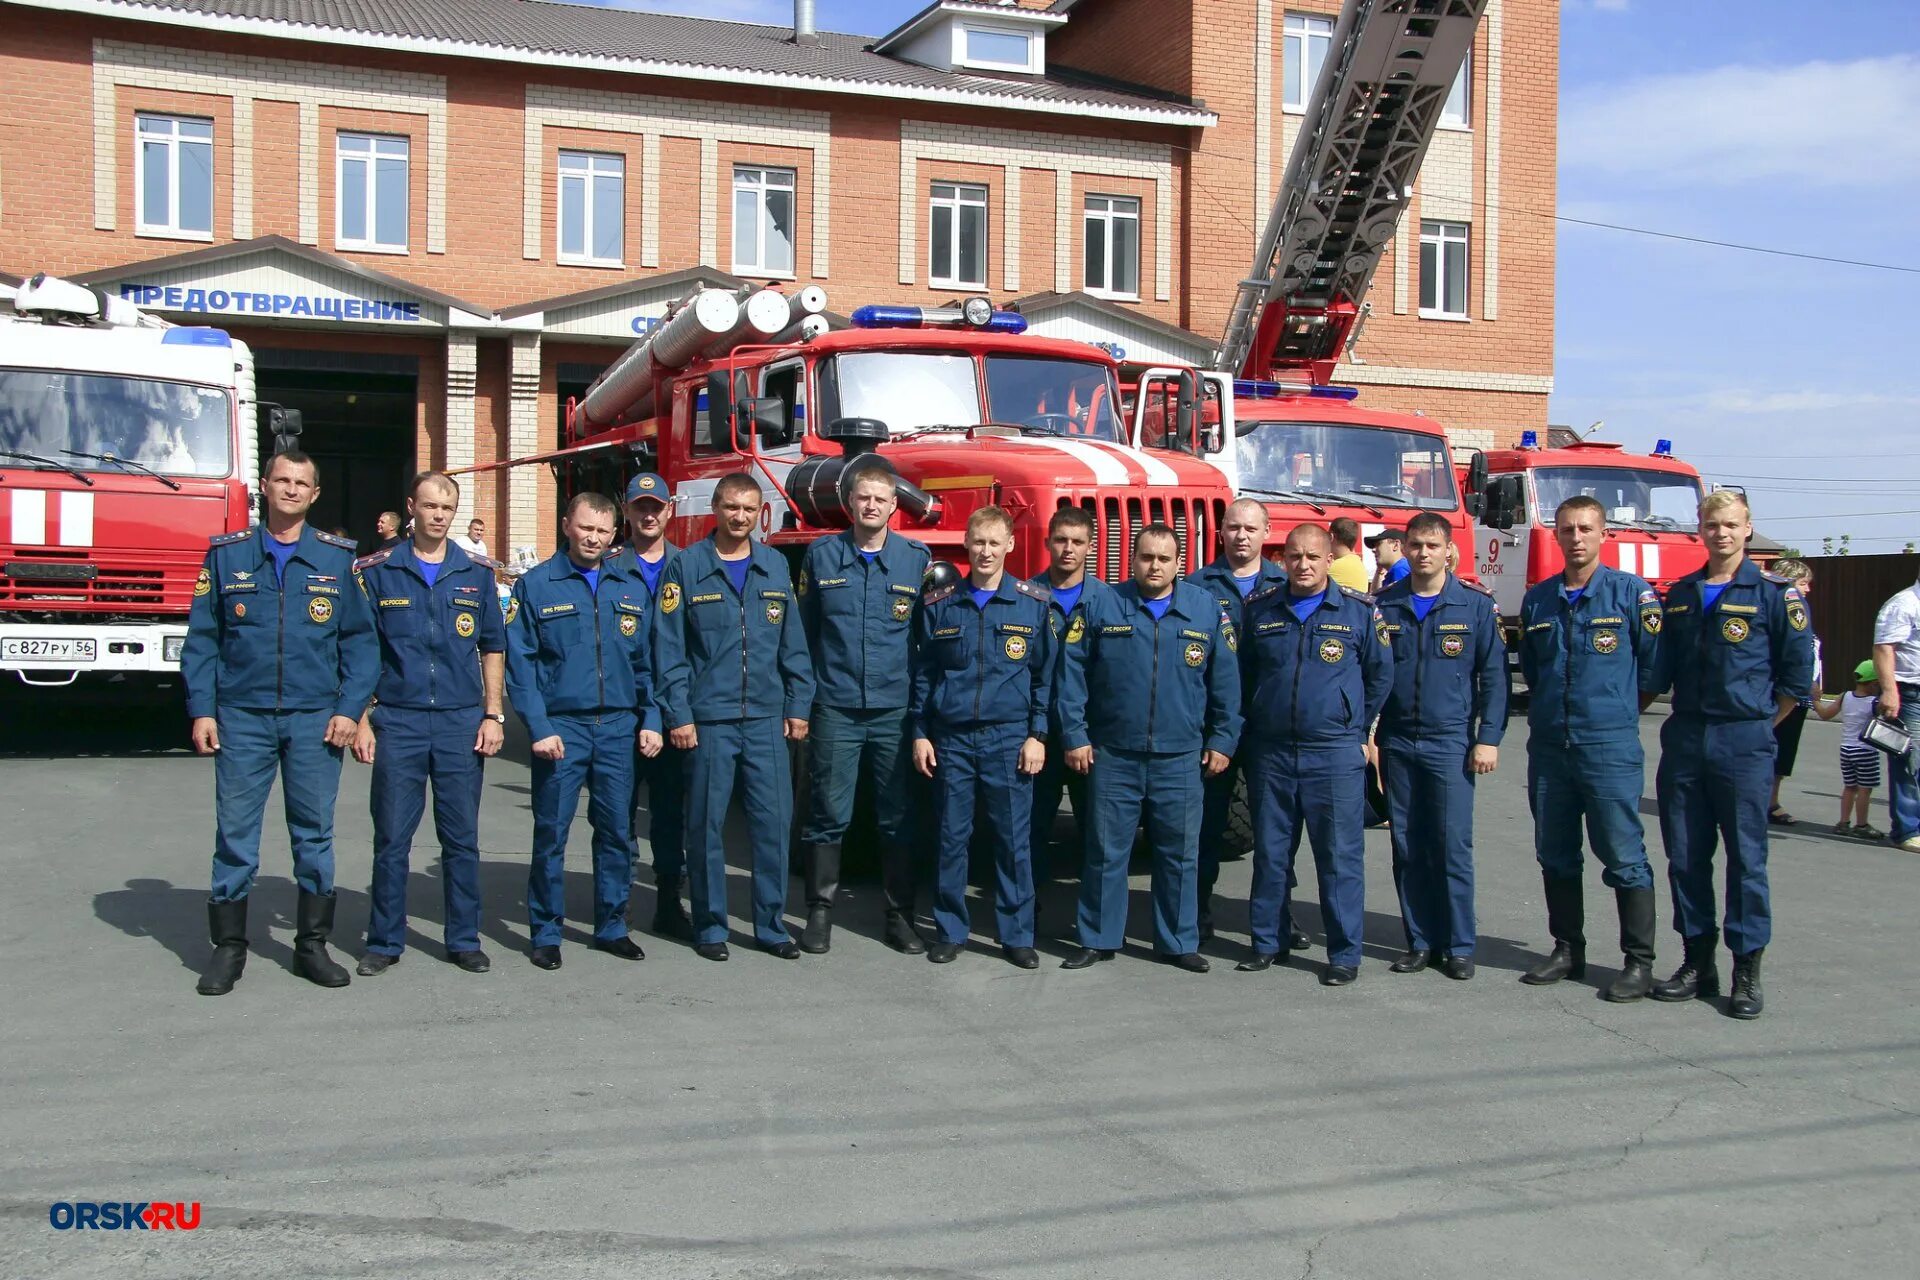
(47, 649)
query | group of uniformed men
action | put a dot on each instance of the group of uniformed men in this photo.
(691, 670)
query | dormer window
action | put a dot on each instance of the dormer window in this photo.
(995, 49)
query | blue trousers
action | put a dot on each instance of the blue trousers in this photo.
(1601, 784)
(1713, 784)
(1319, 792)
(1430, 798)
(848, 744)
(1054, 781)
(981, 765)
(1903, 794)
(753, 755)
(665, 778)
(599, 755)
(254, 746)
(1122, 786)
(412, 748)
(1216, 801)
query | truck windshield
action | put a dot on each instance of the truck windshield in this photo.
(1634, 496)
(1356, 465)
(171, 427)
(912, 390)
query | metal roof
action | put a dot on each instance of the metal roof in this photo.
(637, 42)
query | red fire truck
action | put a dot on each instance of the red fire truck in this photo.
(125, 444)
(1652, 503)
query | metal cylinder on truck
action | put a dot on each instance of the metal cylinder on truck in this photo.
(821, 486)
(628, 383)
(763, 314)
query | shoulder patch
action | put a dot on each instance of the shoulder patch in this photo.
(1361, 596)
(1041, 594)
(335, 540)
(228, 539)
(367, 562)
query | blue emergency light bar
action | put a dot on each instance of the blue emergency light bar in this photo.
(1529, 439)
(1663, 448)
(195, 336)
(882, 317)
(1250, 389)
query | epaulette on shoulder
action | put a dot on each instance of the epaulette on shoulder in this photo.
(938, 594)
(485, 562)
(1481, 587)
(335, 540)
(915, 543)
(1775, 578)
(368, 561)
(228, 539)
(1042, 594)
(1266, 591)
(1362, 596)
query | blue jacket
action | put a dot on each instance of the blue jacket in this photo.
(257, 643)
(723, 655)
(1318, 683)
(1134, 682)
(1450, 671)
(1734, 661)
(1217, 578)
(1587, 663)
(1059, 617)
(980, 666)
(575, 651)
(858, 616)
(631, 563)
(431, 638)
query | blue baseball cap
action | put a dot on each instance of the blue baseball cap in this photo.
(648, 485)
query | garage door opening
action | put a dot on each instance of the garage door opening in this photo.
(360, 413)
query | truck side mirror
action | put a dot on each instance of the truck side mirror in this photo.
(766, 417)
(286, 425)
(1476, 483)
(720, 406)
(1186, 428)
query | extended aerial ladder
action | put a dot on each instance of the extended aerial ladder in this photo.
(1389, 68)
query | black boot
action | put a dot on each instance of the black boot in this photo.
(1636, 945)
(902, 936)
(227, 929)
(1567, 922)
(823, 883)
(313, 925)
(1697, 978)
(1748, 1000)
(669, 917)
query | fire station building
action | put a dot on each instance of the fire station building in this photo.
(436, 220)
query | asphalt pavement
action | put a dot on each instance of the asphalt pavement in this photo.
(866, 1114)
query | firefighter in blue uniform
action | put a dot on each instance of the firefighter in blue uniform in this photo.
(1441, 728)
(280, 660)
(1589, 649)
(1738, 657)
(578, 670)
(982, 698)
(858, 592)
(1316, 667)
(1073, 589)
(437, 716)
(648, 553)
(735, 686)
(1148, 703)
(1240, 571)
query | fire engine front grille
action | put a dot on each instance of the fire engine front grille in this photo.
(1116, 521)
(78, 581)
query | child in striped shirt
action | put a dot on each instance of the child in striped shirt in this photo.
(1859, 763)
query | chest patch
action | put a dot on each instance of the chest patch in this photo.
(1453, 645)
(320, 609)
(1196, 653)
(629, 625)
(776, 610)
(463, 626)
(1606, 641)
(240, 609)
(1735, 629)
(902, 608)
(669, 597)
(1332, 650)
(1017, 648)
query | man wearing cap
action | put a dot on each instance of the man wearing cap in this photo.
(1240, 571)
(649, 504)
(1389, 558)
(858, 591)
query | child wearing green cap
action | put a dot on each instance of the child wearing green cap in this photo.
(1859, 763)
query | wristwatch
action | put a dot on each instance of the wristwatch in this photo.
(498, 717)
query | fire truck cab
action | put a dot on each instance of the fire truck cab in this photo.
(125, 444)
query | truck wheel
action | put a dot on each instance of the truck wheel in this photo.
(1237, 843)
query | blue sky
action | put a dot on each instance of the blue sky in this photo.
(1759, 122)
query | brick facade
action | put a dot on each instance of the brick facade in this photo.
(484, 139)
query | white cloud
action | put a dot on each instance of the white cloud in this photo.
(1802, 401)
(1818, 125)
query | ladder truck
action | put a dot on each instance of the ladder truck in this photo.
(1273, 420)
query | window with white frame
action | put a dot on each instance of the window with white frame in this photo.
(175, 187)
(1457, 113)
(957, 236)
(1113, 245)
(762, 220)
(593, 195)
(1306, 38)
(371, 192)
(996, 49)
(1443, 269)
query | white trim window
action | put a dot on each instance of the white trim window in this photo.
(996, 49)
(1457, 113)
(370, 192)
(763, 223)
(1112, 228)
(173, 191)
(1305, 40)
(592, 204)
(957, 236)
(1443, 270)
